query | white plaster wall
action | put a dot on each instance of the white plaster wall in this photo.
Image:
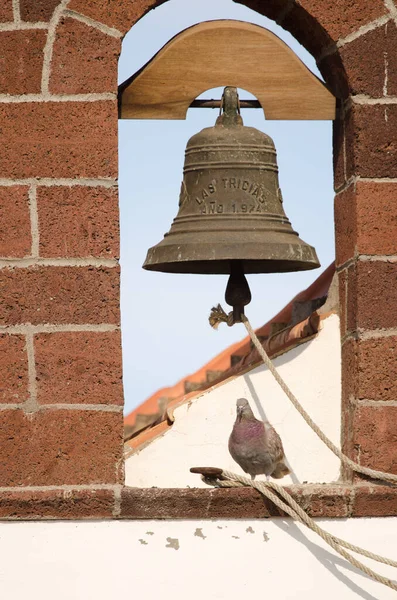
(201, 430)
(215, 560)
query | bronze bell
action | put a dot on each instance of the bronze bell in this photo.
(230, 206)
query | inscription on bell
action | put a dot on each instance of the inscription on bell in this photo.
(213, 208)
(206, 192)
(254, 189)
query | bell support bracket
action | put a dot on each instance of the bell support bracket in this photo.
(225, 53)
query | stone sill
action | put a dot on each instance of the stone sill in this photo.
(321, 501)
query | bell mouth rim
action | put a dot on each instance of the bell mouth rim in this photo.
(223, 267)
(209, 257)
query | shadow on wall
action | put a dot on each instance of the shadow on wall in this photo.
(327, 559)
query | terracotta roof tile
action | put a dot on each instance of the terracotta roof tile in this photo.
(220, 363)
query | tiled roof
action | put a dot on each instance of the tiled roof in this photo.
(295, 323)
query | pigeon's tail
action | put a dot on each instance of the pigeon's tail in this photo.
(280, 471)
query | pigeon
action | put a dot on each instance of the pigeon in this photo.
(255, 445)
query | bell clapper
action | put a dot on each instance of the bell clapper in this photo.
(238, 293)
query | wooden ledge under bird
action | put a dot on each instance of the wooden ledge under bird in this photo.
(255, 445)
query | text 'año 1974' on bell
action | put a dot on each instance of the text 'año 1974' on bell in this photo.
(230, 206)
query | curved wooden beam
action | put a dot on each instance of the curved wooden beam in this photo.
(220, 53)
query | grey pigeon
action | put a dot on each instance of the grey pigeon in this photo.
(255, 445)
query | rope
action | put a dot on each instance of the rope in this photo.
(218, 316)
(291, 507)
(229, 479)
(345, 459)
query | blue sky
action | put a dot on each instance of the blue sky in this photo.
(165, 316)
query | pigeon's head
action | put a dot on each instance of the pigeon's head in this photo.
(243, 408)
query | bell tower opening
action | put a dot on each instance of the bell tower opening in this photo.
(166, 315)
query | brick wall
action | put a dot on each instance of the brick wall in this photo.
(60, 358)
(60, 349)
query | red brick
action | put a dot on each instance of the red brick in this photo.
(372, 296)
(371, 147)
(272, 9)
(366, 220)
(59, 139)
(59, 295)
(15, 234)
(113, 13)
(39, 10)
(307, 30)
(78, 221)
(364, 60)
(57, 504)
(333, 71)
(21, 61)
(195, 503)
(349, 381)
(375, 435)
(338, 152)
(376, 217)
(391, 58)
(369, 373)
(347, 447)
(349, 371)
(350, 140)
(342, 283)
(341, 17)
(13, 369)
(6, 12)
(330, 502)
(82, 367)
(84, 59)
(375, 501)
(377, 368)
(231, 503)
(345, 225)
(60, 447)
(351, 299)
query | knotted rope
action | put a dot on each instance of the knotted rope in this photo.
(228, 479)
(217, 316)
